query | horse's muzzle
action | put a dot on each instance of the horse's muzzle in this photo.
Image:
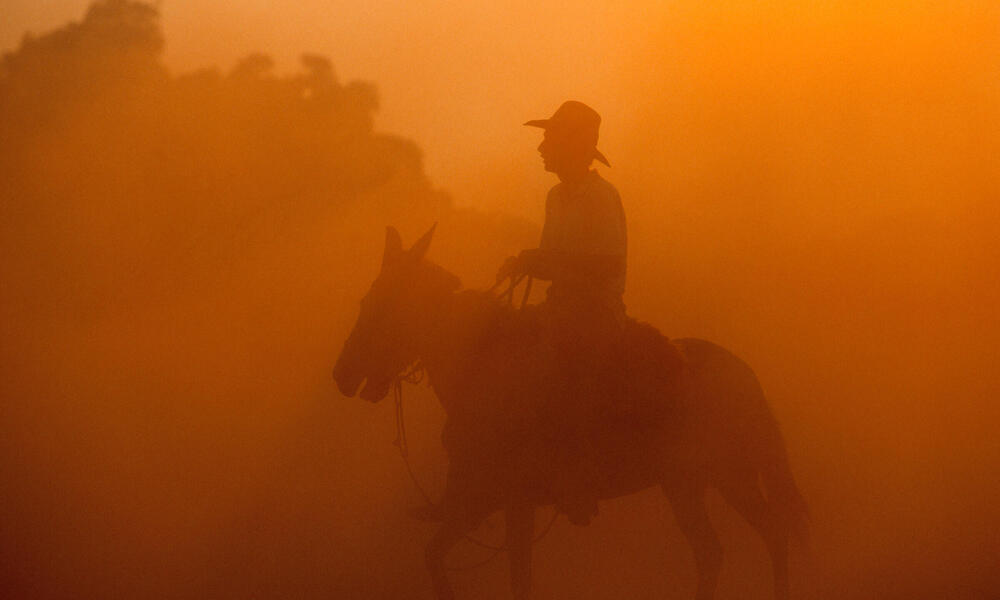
(347, 383)
(375, 389)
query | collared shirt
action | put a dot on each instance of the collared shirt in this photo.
(587, 219)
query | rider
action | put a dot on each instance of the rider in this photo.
(582, 252)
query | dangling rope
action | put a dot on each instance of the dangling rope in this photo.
(415, 375)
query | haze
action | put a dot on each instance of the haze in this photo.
(813, 185)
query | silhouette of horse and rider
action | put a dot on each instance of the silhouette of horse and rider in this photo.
(571, 401)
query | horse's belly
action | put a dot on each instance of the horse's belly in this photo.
(632, 460)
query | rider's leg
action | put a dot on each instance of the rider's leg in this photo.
(465, 505)
(581, 346)
(564, 409)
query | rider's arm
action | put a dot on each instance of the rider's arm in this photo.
(592, 249)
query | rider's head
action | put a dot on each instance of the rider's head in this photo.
(570, 140)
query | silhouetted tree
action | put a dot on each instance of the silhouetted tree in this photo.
(120, 167)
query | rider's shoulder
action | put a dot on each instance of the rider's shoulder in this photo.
(603, 186)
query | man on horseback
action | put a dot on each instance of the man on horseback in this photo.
(583, 253)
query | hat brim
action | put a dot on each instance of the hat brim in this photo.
(600, 157)
(544, 123)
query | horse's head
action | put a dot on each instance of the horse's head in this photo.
(393, 320)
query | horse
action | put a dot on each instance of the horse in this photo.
(695, 417)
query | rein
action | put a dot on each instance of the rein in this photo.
(508, 294)
(415, 375)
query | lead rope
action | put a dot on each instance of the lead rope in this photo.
(415, 375)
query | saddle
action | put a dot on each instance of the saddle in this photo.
(653, 368)
(645, 365)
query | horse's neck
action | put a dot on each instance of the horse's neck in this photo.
(451, 346)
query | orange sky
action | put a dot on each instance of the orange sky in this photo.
(812, 184)
(460, 77)
(457, 77)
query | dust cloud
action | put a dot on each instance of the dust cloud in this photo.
(812, 186)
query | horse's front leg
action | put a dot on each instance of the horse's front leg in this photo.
(447, 535)
(520, 534)
(463, 508)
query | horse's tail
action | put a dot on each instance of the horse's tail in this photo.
(764, 445)
(775, 470)
(779, 484)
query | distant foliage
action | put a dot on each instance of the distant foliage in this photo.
(111, 164)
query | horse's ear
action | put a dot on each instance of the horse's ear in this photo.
(419, 249)
(393, 247)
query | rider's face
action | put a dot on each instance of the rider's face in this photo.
(560, 152)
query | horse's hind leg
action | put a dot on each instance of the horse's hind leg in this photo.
(746, 497)
(688, 501)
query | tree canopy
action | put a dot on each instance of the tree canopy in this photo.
(113, 166)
